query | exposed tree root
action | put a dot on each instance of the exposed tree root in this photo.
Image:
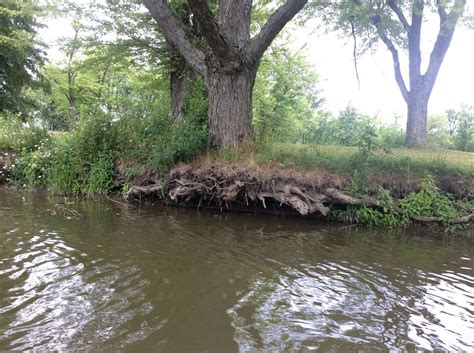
(349, 200)
(223, 186)
(227, 186)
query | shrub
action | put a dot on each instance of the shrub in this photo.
(30, 168)
(100, 179)
(429, 202)
(21, 136)
(64, 174)
(83, 162)
(29, 138)
(181, 142)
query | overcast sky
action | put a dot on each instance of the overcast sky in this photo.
(378, 93)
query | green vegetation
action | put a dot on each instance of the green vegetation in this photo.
(397, 161)
(125, 105)
(427, 204)
(21, 54)
(84, 161)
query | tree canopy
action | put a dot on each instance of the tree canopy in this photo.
(212, 59)
(21, 53)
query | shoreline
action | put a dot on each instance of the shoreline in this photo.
(315, 193)
(437, 230)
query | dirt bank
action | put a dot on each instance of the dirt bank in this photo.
(4, 163)
(270, 188)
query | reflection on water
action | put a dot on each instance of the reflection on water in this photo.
(139, 279)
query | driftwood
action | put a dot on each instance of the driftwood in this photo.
(344, 199)
(140, 190)
(464, 219)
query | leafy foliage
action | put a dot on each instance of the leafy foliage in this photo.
(286, 98)
(20, 52)
(464, 132)
(427, 202)
(21, 136)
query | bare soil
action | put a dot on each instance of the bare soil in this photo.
(253, 187)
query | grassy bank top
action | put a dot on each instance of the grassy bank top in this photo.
(346, 159)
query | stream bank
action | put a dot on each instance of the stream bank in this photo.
(384, 199)
(316, 193)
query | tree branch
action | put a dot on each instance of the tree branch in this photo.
(441, 10)
(210, 28)
(398, 11)
(447, 26)
(414, 38)
(236, 29)
(395, 58)
(354, 51)
(176, 33)
(459, 220)
(274, 25)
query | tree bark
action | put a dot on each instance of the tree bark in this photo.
(230, 106)
(182, 80)
(417, 115)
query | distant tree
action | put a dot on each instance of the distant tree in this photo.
(397, 24)
(464, 135)
(286, 97)
(20, 51)
(350, 126)
(346, 129)
(453, 120)
(438, 131)
(227, 59)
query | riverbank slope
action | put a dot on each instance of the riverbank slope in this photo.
(335, 183)
(380, 188)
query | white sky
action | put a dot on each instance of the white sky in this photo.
(378, 94)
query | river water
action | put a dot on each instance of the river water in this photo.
(98, 276)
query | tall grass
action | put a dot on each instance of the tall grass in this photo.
(346, 159)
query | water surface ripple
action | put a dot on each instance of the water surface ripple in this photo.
(138, 279)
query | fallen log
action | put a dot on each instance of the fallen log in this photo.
(342, 198)
(459, 220)
(138, 190)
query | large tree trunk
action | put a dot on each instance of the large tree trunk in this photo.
(417, 119)
(229, 59)
(230, 106)
(182, 80)
(421, 85)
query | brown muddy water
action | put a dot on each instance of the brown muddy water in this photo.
(100, 277)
